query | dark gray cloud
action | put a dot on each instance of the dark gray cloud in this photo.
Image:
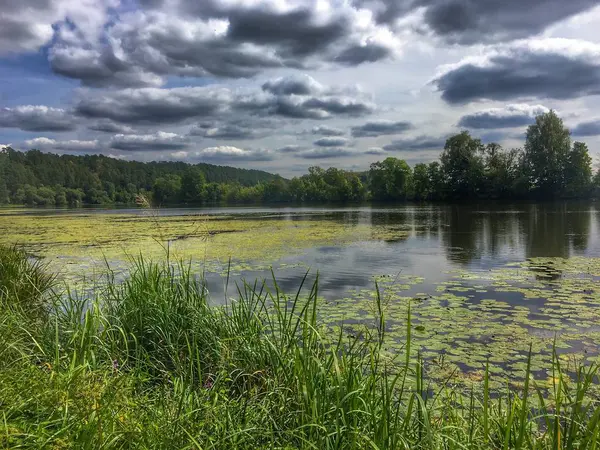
(108, 126)
(235, 130)
(99, 67)
(238, 40)
(380, 127)
(375, 151)
(148, 142)
(583, 129)
(37, 118)
(290, 149)
(549, 68)
(331, 142)
(473, 21)
(324, 130)
(27, 25)
(359, 54)
(148, 106)
(510, 116)
(154, 105)
(416, 143)
(325, 153)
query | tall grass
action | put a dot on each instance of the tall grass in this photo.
(149, 363)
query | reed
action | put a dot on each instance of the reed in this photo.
(149, 363)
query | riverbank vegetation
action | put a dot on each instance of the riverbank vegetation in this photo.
(152, 362)
(548, 167)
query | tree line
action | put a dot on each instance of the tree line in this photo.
(549, 166)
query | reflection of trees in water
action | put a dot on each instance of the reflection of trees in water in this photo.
(539, 230)
(555, 230)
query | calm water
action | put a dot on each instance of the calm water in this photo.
(441, 239)
(458, 265)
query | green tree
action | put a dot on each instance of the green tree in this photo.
(501, 171)
(193, 186)
(4, 198)
(547, 148)
(462, 165)
(390, 179)
(436, 181)
(167, 189)
(578, 171)
(421, 183)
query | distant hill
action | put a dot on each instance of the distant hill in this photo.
(37, 168)
(102, 178)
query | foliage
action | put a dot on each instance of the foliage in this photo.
(547, 148)
(547, 168)
(150, 364)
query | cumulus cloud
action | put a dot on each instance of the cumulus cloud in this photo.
(376, 151)
(158, 141)
(154, 105)
(290, 149)
(331, 142)
(325, 130)
(228, 154)
(27, 25)
(584, 129)
(546, 68)
(473, 21)
(44, 143)
(37, 118)
(178, 105)
(227, 132)
(510, 116)
(380, 127)
(232, 39)
(325, 153)
(108, 126)
(416, 143)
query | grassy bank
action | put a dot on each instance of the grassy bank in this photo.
(149, 363)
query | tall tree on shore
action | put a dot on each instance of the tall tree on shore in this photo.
(547, 148)
(462, 165)
(578, 171)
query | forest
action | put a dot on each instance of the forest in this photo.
(549, 166)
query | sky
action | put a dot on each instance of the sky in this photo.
(282, 85)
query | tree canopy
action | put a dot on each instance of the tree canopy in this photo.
(548, 167)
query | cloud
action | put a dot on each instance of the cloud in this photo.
(234, 39)
(27, 25)
(380, 127)
(325, 153)
(547, 68)
(416, 143)
(150, 106)
(37, 118)
(331, 142)
(44, 143)
(325, 130)
(293, 85)
(228, 131)
(375, 151)
(510, 116)
(154, 105)
(224, 154)
(290, 149)
(157, 141)
(108, 126)
(474, 21)
(584, 129)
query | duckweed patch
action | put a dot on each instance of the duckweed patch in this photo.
(472, 318)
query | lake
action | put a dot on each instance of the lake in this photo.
(483, 282)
